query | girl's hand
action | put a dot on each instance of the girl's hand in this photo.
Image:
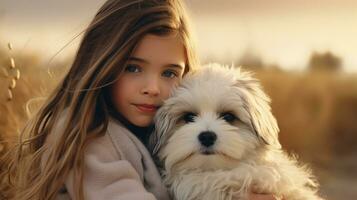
(254, 196)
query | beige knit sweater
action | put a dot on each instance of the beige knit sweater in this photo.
(117, 167)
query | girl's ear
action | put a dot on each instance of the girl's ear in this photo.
(256, 103)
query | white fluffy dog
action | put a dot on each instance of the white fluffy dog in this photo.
(216, 139)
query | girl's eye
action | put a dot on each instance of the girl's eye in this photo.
(132, 68)
(228, 117)
(169, 74)
(189, 117)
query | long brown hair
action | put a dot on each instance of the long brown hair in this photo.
(107, 43)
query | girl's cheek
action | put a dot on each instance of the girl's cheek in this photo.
(168, 88)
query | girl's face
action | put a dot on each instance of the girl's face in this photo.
(156, 66)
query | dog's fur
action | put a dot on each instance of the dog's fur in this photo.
(246, 154)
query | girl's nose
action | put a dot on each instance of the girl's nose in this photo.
(151, 87)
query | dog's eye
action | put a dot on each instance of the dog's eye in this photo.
(228, 117)
(189, 117)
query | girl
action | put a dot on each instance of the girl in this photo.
(88, 140)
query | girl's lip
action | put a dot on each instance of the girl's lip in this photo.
(147, 108)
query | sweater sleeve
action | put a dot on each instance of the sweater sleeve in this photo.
(107, 176)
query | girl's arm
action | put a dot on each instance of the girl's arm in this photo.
(106, 176)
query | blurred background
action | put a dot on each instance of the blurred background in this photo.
(304, 52)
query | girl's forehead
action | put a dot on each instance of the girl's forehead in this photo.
(167, 48)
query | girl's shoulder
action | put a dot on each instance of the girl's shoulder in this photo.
(102, 146)
(117, 143)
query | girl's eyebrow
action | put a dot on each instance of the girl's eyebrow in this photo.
(176, 66)
(132, 58)
(138, 59)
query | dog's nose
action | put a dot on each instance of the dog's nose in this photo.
(207, 138)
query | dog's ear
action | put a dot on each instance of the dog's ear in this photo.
(256, 103)
(164, 122)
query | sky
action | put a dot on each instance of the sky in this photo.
(281, 32)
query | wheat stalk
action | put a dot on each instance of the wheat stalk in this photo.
(12, 73)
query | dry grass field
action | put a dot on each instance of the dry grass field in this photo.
(316, 112)
(317, 116)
